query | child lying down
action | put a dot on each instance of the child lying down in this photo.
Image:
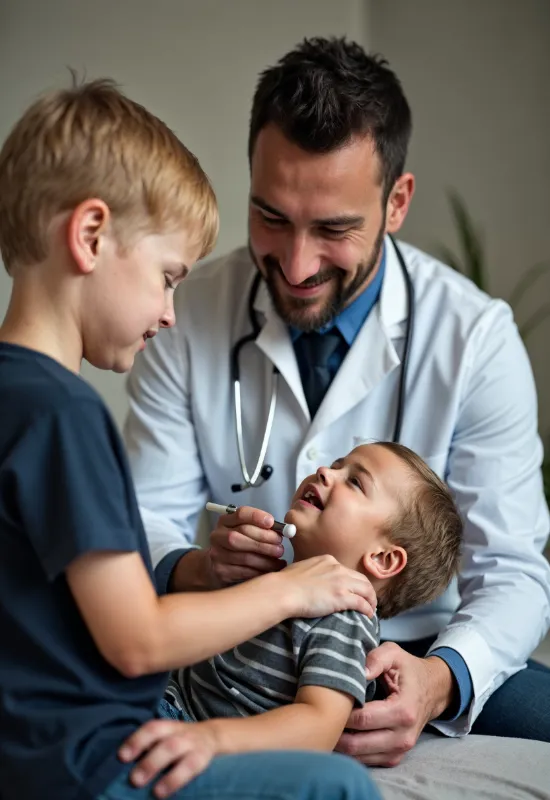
(380, 510)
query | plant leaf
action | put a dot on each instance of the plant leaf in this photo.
(470, 241)
(527, 280)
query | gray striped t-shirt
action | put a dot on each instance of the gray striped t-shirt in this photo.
(266, 672)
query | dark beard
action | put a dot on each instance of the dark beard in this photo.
(294, 310)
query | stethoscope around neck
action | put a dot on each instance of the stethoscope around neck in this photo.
(262, 472)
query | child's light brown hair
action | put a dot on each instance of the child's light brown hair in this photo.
(429, 528)
(90, 141)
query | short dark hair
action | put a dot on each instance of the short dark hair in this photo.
(429, 528)
(325, 91)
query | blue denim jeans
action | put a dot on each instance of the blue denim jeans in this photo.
(520, 708)
(167, 711)
(273, 775)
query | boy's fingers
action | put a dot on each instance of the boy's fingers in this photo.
(368, 592)
(183, 772)
(365, 581)
(145, 736)
(364, 607)
(165, 752)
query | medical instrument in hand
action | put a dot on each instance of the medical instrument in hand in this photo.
(262, 472)
(286, 529)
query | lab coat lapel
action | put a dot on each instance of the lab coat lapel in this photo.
(274, 341)
(372, 356)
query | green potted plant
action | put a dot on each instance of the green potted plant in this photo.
(472, 263)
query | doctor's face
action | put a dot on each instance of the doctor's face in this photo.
(316, 224)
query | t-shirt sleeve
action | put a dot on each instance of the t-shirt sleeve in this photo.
(72, 486)
(334, 651)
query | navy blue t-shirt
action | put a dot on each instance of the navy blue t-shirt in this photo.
(65, 490)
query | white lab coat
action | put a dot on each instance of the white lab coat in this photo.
(470, 412)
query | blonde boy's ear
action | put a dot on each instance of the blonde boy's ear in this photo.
(385, 563)
(89, 220)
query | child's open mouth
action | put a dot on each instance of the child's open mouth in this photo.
(311, 497)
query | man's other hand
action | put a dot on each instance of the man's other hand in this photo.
(419, 690)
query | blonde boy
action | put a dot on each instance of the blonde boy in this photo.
(103, 211)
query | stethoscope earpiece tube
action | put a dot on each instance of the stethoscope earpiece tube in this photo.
(408, 342)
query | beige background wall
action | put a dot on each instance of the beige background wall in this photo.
(476, 73)
(192, 62)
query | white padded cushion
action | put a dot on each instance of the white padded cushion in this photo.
(484, 767)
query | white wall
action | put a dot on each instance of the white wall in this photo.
(192, 62)
(477, 75)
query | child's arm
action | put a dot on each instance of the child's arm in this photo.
(314, 721)
(181, 751)
(75, 499)
(140, 633)
(331, 663)
(331, 656)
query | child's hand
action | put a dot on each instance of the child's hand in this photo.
(320, 586)
(183, 750)
(242, 546)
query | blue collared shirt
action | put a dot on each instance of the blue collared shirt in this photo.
(349, 323)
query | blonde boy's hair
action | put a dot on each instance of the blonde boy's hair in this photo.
(90, 141)
(429, 528)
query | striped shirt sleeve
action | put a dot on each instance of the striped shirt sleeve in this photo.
(333, 652)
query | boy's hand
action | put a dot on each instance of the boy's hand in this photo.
(419, 690)
(319, 586)
(181, 750)
(242, 546)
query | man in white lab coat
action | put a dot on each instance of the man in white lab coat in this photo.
(328, 324)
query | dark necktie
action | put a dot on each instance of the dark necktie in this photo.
(317, 349)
